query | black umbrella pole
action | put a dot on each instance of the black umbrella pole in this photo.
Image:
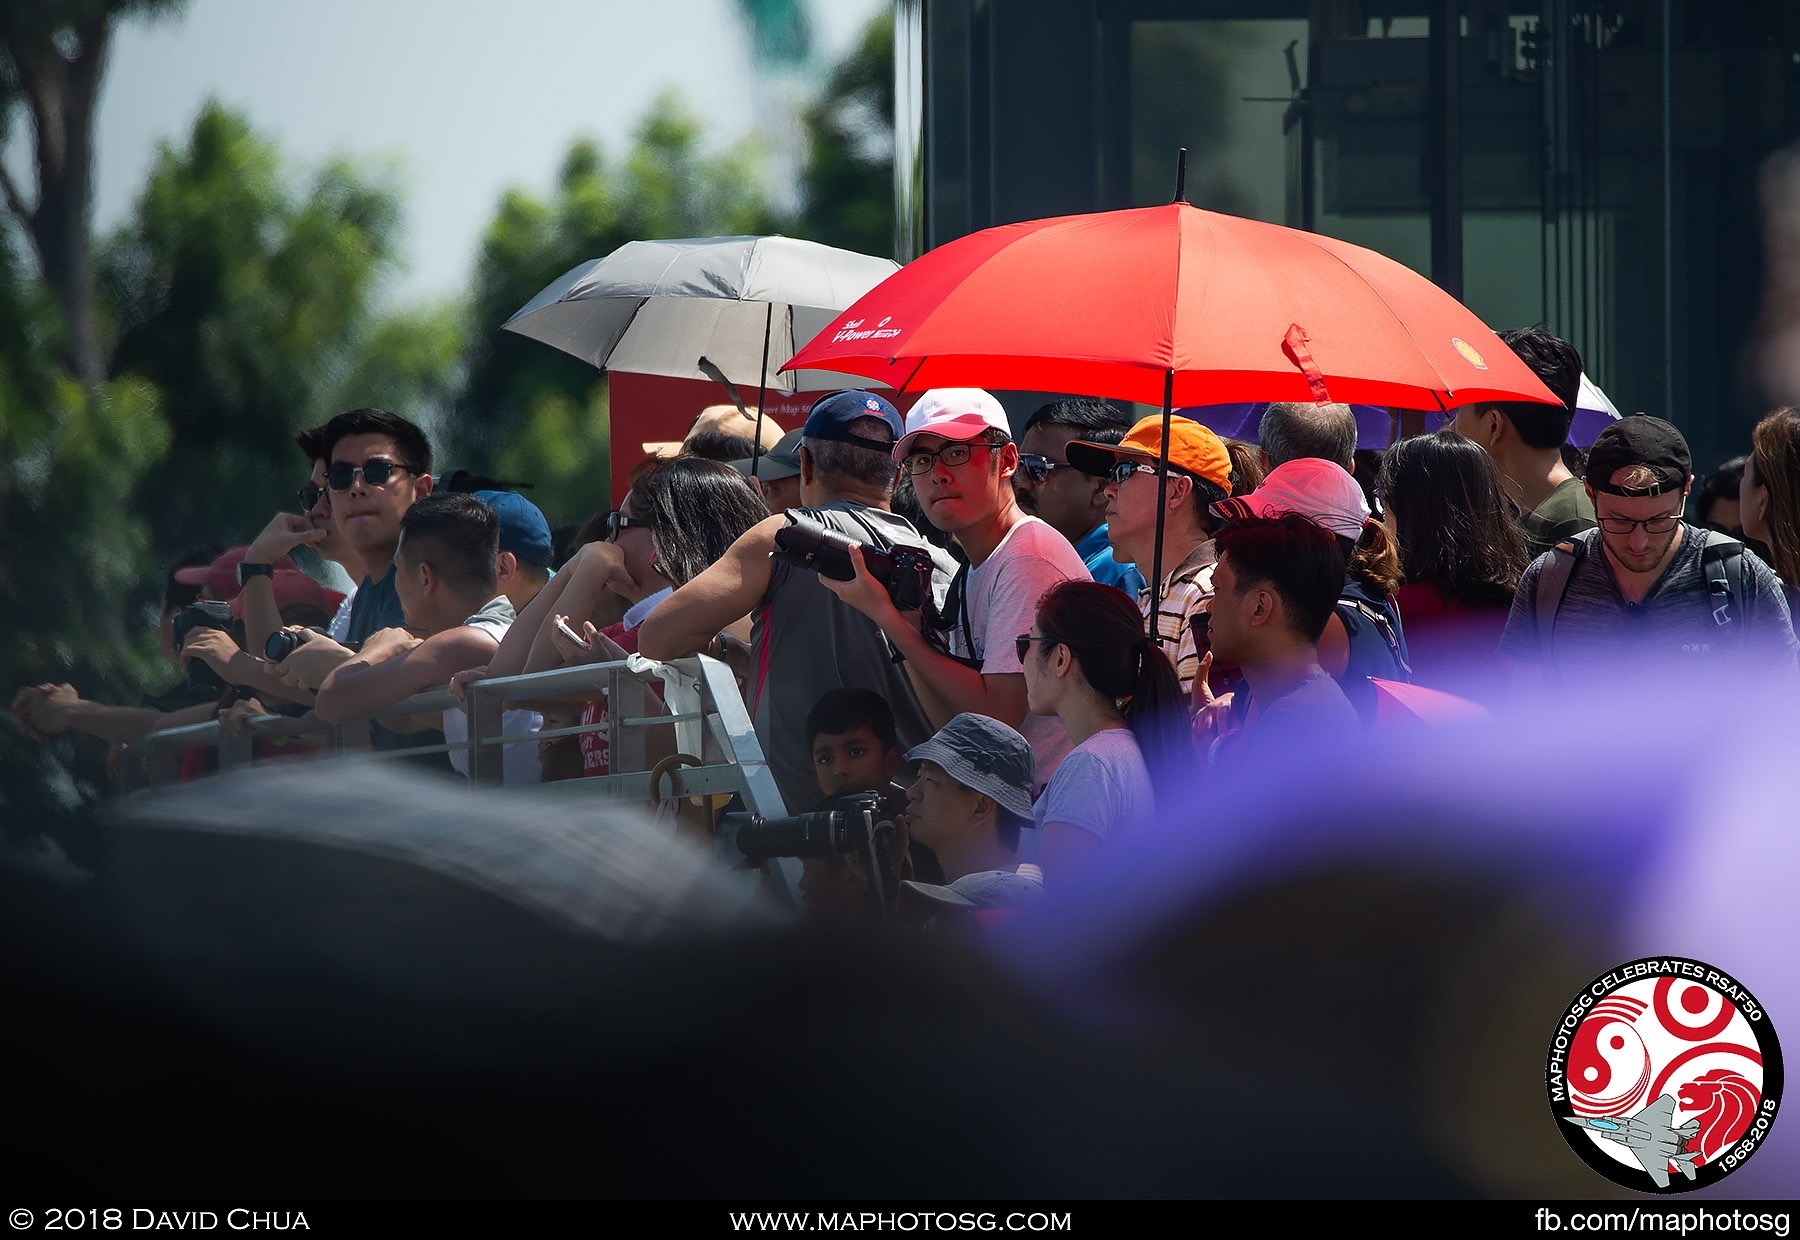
(1162, 504)
(762, 390)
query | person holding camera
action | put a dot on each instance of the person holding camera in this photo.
(804, 641)
(971, 803)
(959, 453)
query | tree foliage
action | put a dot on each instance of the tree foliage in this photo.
(848, 182)
(251, 308)
(521, 402)
(52, 61)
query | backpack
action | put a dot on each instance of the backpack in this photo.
(1721, 564)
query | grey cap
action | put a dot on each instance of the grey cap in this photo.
(985, 755)
(781, 461)
(986, 889)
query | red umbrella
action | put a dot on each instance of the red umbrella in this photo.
(1171, 305)
(1113, 304)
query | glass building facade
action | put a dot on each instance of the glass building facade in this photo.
(1594, 168)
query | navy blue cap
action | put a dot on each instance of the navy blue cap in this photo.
(831, 416)
(523, 530)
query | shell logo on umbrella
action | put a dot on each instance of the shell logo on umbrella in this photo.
(1468, 351)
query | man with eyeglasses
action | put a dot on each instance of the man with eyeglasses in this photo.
(803, 641)
(1645, 586)
(959, 453)
(1199, 476)
(1072, 502)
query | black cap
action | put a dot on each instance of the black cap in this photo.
(1640, 440)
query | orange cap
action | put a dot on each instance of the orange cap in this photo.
(1193, 448)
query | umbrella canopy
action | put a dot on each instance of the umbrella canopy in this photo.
(1376, 428)
(1114, 304)
(1594, 412)
(738, 303)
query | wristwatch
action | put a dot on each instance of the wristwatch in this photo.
(247, 570)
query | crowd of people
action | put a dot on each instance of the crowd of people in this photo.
(1029, 645)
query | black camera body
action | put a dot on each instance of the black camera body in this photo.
(282, 643)
(855, 827)
(202, 682)
(904, 572)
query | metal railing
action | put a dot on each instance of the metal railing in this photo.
(714, 749)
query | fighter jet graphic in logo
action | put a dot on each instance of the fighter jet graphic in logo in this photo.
(1649, 1137)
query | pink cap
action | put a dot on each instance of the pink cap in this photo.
(956, 414)
(1321, 491)
(294, 587)
(221, 575)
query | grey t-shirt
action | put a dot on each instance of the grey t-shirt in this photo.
(1674, 624)
(1565, 512)
(1102, 786)
(804, 640)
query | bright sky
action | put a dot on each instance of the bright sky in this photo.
(465, 97)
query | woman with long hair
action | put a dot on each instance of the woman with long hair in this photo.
(1769, 495)
(1460, 550)
(1088, 662)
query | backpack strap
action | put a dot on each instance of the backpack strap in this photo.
(1722, 564)
(1381, 625)
(1552, 584)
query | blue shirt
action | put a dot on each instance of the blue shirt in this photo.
(377, 607)
(1096, 552)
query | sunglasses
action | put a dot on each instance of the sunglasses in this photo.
(617, 521)
(341, 477)
(1038, 468)
(310, 495)
(1022, 643)
(1122, 470)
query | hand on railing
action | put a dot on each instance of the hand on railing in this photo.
(236, 718)
(459, 683)
(41, 710)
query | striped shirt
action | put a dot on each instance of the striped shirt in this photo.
(1184, 592)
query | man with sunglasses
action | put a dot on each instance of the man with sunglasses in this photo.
(1199, 476)
(803, 641)
(1645, 586)
(1071, 501)
(378, 464)
(959, 453)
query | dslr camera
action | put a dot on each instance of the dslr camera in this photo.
(202, 683)
(857, 827)
(905, 572)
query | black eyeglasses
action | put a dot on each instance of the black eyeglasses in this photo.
(951, 455)
(1037, 468)
(309, 496)
(375, 473)
(1652, 525)
(1122, 470)
(1022, 643)
(616, 521)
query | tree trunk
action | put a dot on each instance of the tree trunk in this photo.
(62, 92)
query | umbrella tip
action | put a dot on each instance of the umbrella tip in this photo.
(1181, 175)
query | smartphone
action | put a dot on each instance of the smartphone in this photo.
(562, 626)
(1225, 676)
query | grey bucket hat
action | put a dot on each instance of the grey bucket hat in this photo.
(985, 755)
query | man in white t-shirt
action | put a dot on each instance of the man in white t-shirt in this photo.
(959, 453)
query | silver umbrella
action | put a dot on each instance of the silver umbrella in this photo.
(728, 309)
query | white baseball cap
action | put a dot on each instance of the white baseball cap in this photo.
(957, 414)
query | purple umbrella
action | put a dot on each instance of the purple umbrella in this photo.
(1375, 426)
